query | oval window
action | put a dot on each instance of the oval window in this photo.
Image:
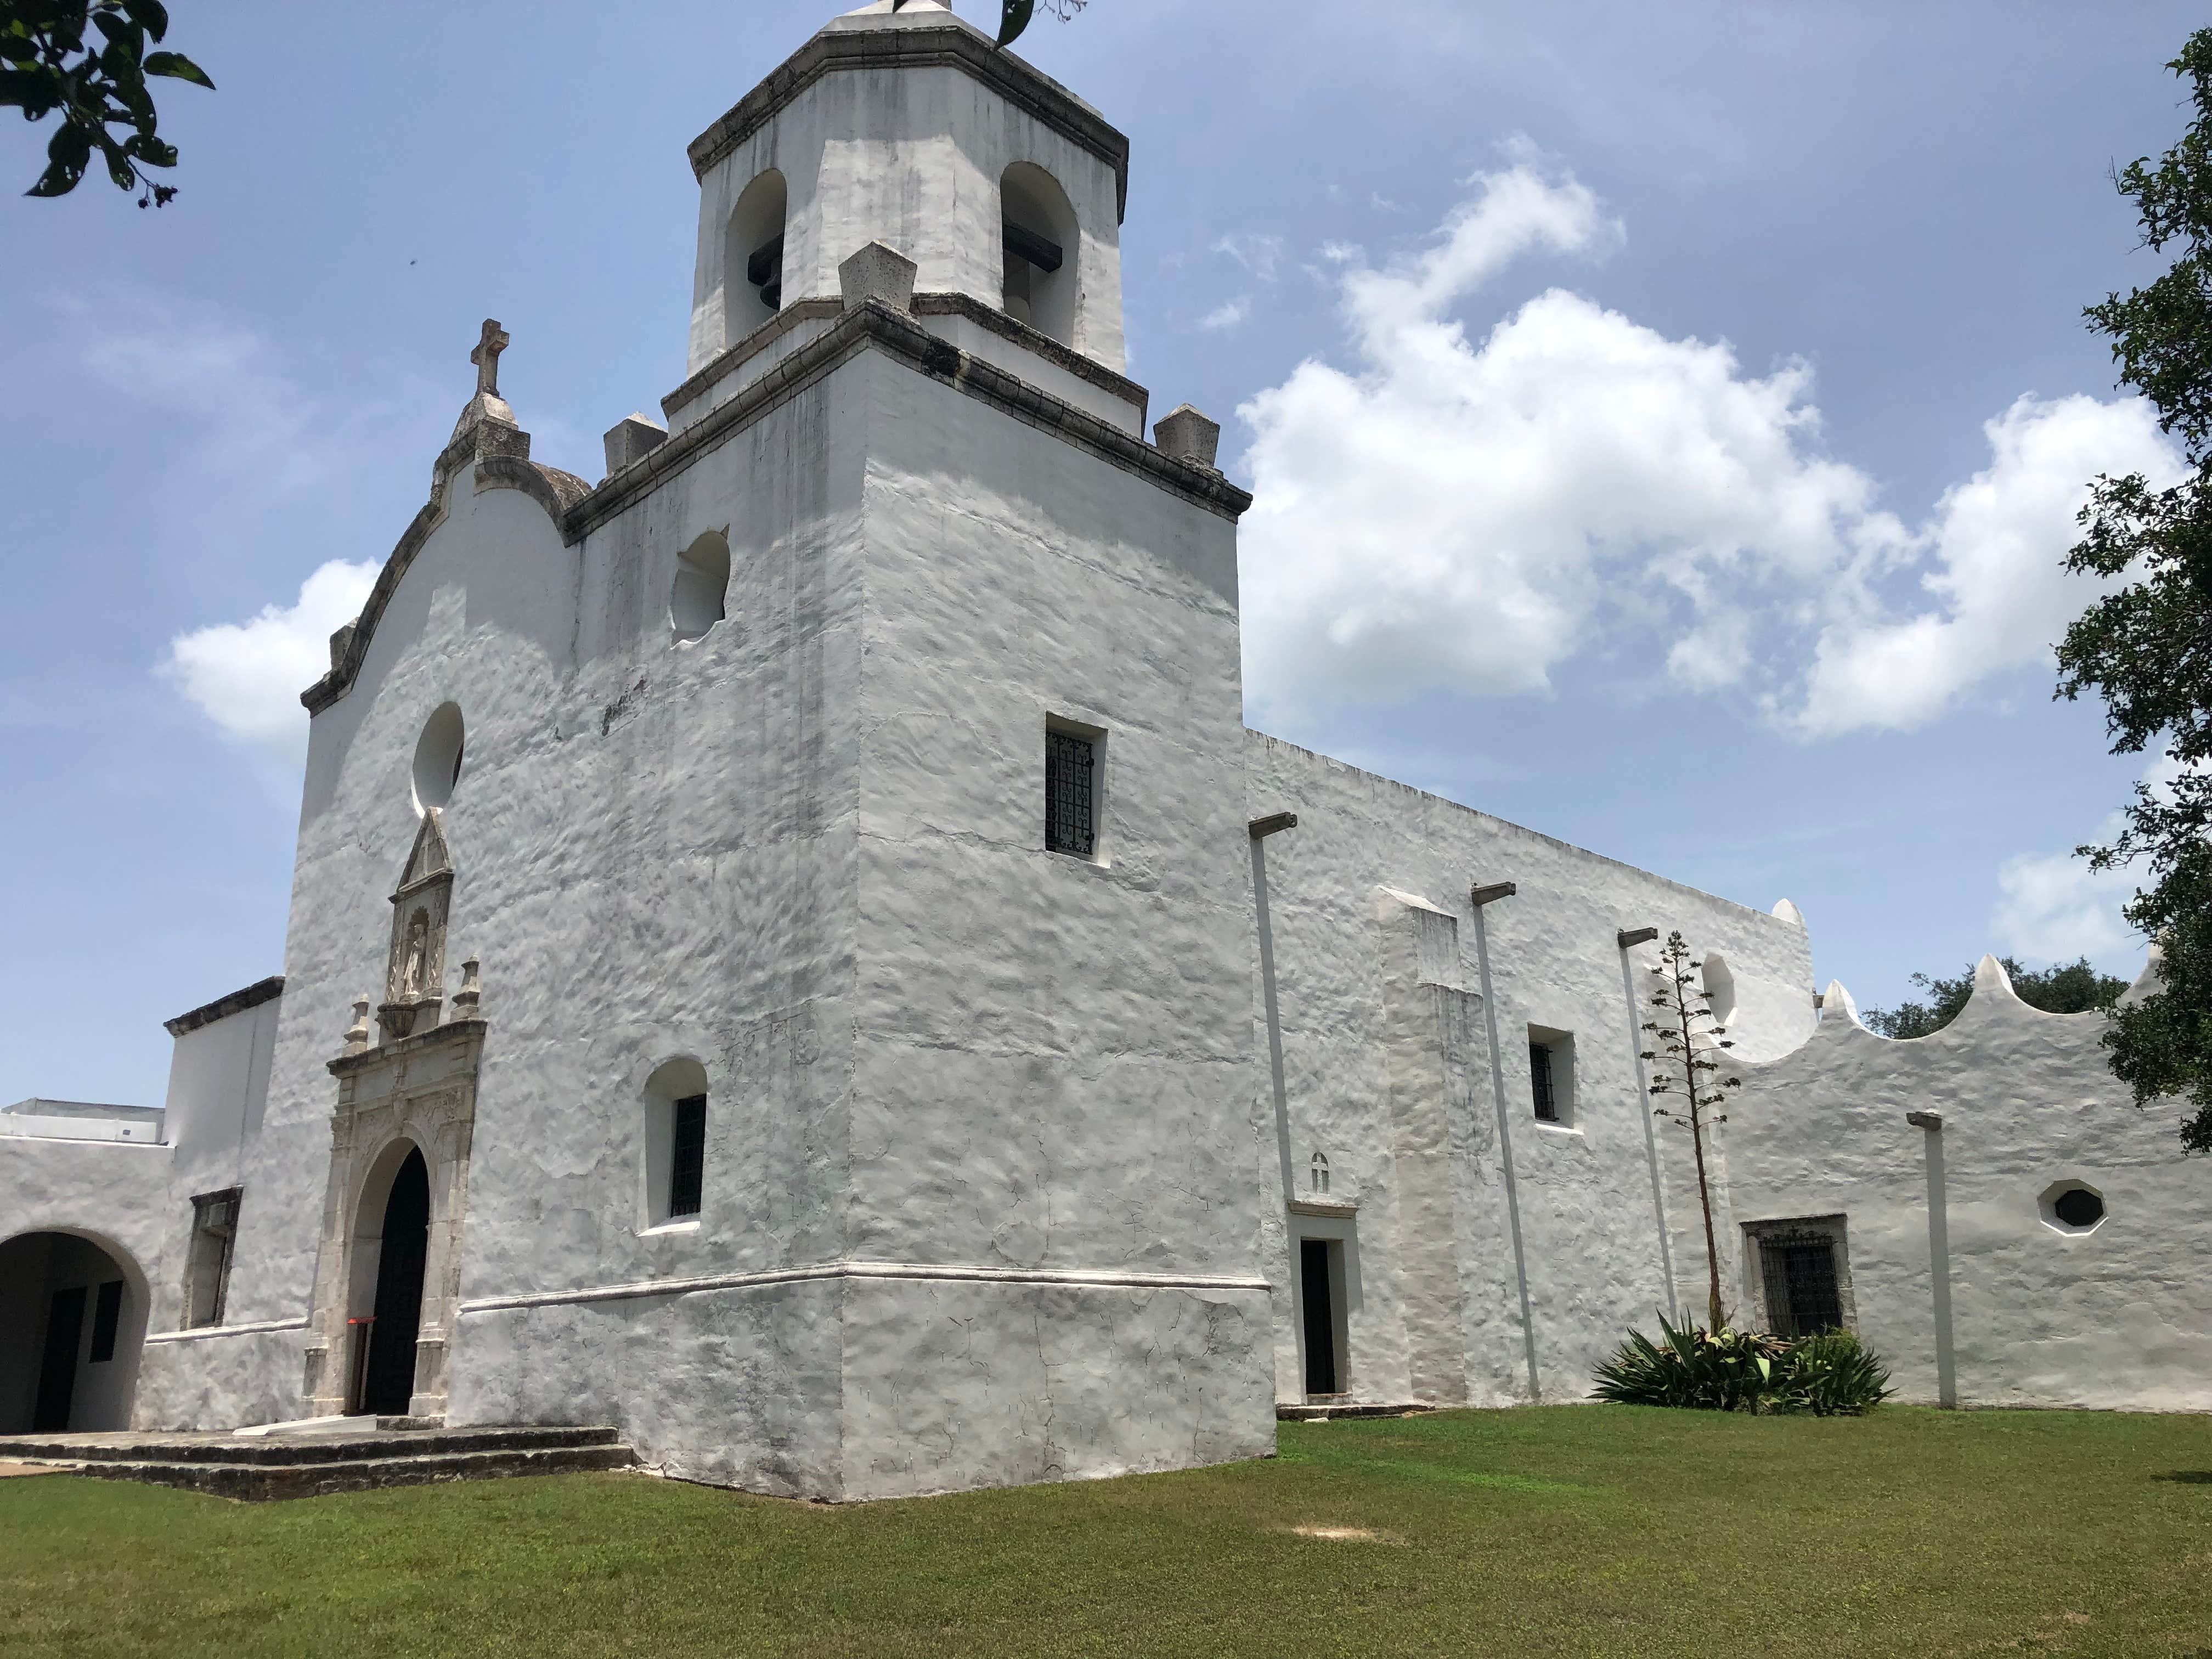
(438, 758)
(696, 598)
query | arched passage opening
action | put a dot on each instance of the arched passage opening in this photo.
(72, 1325)
(391, 1248)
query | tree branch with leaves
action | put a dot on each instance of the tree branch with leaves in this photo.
(88, 61)
(1685, 1033)
(2146, 648)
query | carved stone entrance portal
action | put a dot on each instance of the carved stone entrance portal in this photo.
(405, 1117)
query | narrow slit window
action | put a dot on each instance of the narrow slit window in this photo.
(1319, 1175)
(215, 1230)
(1070, 795)
(687, 1157)
(106, 1316)
(1540, 1074)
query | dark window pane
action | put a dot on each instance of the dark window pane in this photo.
(107, 1315)
(2078, 1208)
(1068, 824)
(687, 1156)
(1809, 1273)
(1539, 1073)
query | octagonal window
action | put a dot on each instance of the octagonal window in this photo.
(2072, 1207)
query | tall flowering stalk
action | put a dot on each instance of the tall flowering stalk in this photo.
(1681, 1071)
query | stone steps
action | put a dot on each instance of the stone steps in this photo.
(1334, 1411)
(314, 1465)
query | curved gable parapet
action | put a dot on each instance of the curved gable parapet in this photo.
(501, 458)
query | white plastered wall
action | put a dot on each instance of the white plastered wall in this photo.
(1387, 1069)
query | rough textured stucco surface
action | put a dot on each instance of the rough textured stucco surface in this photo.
(1386, 1061)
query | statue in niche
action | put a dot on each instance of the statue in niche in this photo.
(414, 985)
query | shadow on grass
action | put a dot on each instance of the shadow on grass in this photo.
(2188, 1478)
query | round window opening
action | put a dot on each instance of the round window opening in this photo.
(438, 758)
(2078, 1206)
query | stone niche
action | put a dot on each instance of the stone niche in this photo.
(414, 986)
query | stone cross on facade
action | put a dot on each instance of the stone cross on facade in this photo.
(486, 357)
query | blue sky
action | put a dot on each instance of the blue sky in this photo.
(1634, 396)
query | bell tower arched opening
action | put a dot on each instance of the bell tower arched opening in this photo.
(1042, 243)
(752, 257)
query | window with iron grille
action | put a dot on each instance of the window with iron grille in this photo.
(1804, 1295)
(106, 1316)
(687, 1156)
(1070, 793)
(215, 1230)
(1540, 1074)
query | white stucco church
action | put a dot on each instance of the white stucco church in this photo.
(795, 952)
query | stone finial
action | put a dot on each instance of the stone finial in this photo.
(356, 1038)
(340, 640)
(470, 998)
(632, 438)
(1188, 436)
(877, 271)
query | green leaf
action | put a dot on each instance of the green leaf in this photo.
(1013, 18)
(149, 15)
(58, 179)
(178, 67)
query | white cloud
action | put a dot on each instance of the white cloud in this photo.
(1999, 594)
(1228, 314)
(1261, 255)
(1474, 514)
(2053, 908)
(247, 677)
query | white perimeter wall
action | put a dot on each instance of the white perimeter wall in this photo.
(2117, 1317)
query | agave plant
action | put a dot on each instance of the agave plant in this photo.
(1723, 1371)
(1728, 1370)
(1831, 1375)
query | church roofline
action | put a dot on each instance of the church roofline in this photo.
(911, 45)
(261, 991)
(577, 508)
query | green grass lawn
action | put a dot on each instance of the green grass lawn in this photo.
(1565, 1530)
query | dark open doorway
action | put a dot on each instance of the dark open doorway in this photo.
(72, 1318)
(1317, 1299)
(388, 1382)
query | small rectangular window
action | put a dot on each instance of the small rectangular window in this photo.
(1552, 1075)
(687, 1158)
(1070, 822)
(215, 1230)
(107, 1315)
(1804, 1295)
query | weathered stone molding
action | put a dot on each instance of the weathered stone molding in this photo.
(984, 315)
(201, 1332)
(729, 361)
(577, 508)
(1074, 1276)
(895, 332)
(950, 44)
(261, 991)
